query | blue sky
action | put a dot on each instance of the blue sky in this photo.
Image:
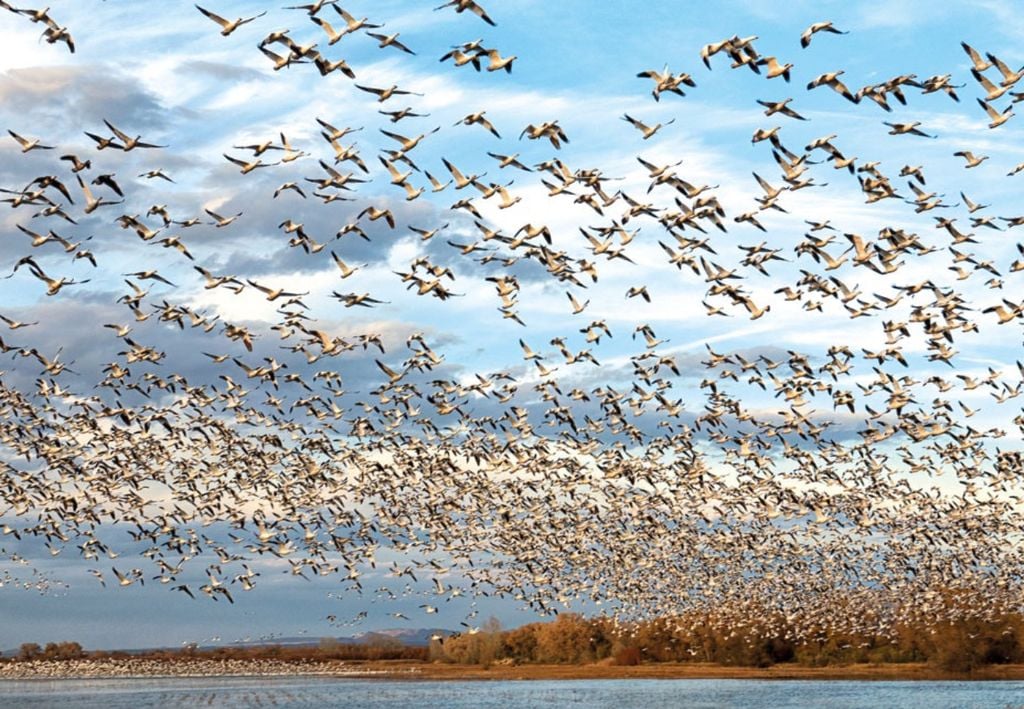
(166, 73)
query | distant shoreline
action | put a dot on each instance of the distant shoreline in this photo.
(140, 668)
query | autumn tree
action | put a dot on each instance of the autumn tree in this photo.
(568, 639)
(520, 644)
(29, 651)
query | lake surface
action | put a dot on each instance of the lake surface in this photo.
(615, 694)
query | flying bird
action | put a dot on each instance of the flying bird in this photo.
(28, 144)
(472, 6)
(229, 26)
(826, 26)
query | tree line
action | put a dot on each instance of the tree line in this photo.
(958, 645)
(963, 643)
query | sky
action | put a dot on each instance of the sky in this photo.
(166, 73)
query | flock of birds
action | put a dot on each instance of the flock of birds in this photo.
(857, 481)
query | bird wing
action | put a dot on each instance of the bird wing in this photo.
(347, 17)
(331, 32)
(341, 264)
(633, 121)
(454, 170)
(1002, 67)
(973, 54)
(85, 189)
(993, 113)
(481, 13)
(116, 132)
(395, 136)
(391, 168)
(386, 369)
(213, 16)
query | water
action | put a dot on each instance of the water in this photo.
(617, 694)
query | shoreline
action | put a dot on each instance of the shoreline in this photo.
(143, 668)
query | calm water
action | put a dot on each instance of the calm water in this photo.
(617, 694)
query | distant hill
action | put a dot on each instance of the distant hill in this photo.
(415, 637)
(412, 637)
